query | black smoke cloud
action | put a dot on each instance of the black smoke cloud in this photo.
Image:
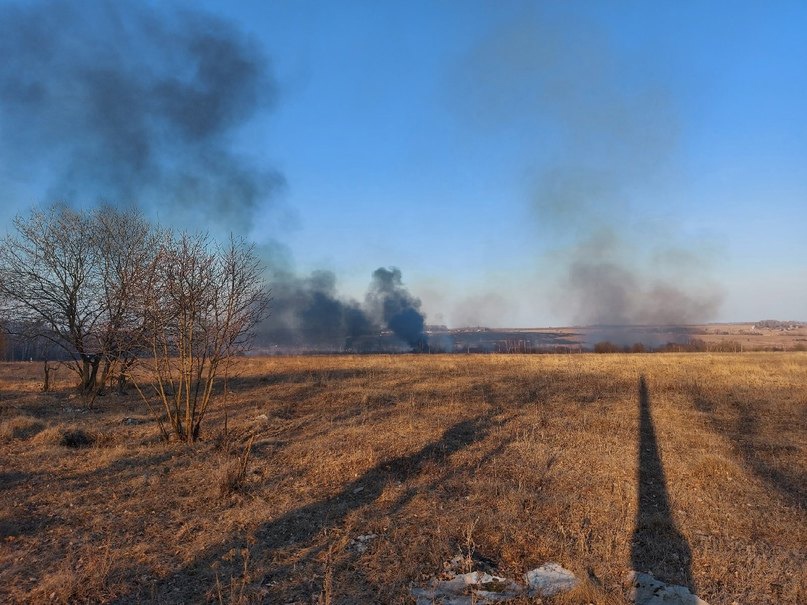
(134, 103)
(389, 301)
(138, 103)
(309, 314)
(606, 131)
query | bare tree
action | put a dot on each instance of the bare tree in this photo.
(200, 312)
(110, 290)
(128, 251)
(76, 278)
(48, 283)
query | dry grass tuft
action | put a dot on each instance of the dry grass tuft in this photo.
(84, 577)
(19, 427)
(232, 474)
(50, 436)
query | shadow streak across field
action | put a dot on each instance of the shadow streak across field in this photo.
(300, 528)
(766, 452)
(759, 452)
(657, 545)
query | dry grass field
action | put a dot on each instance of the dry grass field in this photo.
(692, 466)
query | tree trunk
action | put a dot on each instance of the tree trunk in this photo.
(85, 371)
(89, 372)
(108, 367)
(48, 370)
(122, 382)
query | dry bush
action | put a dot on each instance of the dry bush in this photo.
(606, 346)
(232, 474)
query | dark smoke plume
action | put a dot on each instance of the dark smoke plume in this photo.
(389, 301)
(133, 102)
(138, 103)
(308, 313)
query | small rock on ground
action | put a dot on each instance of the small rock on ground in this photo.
(647, 590)
(485, 589)
(549, 580)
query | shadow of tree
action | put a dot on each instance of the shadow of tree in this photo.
(657, 546)
(790, 482)
(299, 529)
(765, 452)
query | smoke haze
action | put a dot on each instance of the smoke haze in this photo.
(600, 144)
(139, 103)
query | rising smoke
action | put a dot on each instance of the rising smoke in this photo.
(606, 131)
(133, 103)
(391, 304)
(136, 103)
(310, 315)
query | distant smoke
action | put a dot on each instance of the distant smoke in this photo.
(308, 313)
(605, 130)
(389, 301)
(129, 102)
(610, 282)
(133, 102)
(485, 309)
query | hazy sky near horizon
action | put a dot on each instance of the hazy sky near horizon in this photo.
(516, 160)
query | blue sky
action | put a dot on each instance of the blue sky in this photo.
(483, 146)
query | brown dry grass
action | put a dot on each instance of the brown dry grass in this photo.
(522, 459)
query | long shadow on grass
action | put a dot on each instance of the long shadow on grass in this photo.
(657, 545)
(759, 451)
(789, 481)
(295, 535)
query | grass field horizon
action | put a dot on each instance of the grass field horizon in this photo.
(691, 466)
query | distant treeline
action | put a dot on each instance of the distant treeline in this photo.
(695, 345)
(14, 347)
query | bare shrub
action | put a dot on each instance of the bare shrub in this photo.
(200, 312)
(606, 346)
(728, 346)
(77, 438)
(233, 473)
